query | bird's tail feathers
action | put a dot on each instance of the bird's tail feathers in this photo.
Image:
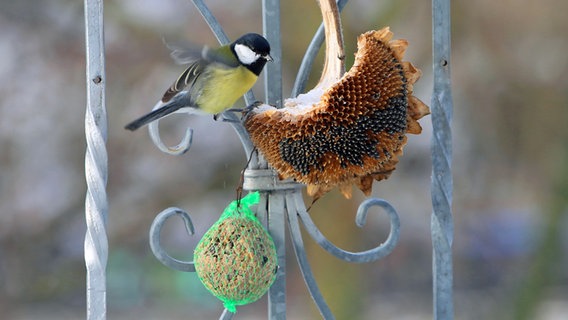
(157, 113)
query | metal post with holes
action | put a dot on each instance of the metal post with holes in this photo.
(96, 163)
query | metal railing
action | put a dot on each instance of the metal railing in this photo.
(281, 201)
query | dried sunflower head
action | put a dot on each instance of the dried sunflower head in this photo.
(351, 132)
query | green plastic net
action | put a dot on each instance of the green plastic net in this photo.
(236, 259)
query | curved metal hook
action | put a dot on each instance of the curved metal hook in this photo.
(358, 257)
(179, 149)
(157, 249)
(176, 150)
(298, 244)
(295, 207)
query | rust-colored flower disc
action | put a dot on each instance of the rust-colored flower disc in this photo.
(351, 132)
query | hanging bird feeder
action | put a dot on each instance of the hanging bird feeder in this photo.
(236, 258)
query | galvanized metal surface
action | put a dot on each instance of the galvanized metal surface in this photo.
(96, 163)
(442, 109)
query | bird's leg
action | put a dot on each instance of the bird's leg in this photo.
(244, 111)
(255, 104)
(247, 109)
(216, 116)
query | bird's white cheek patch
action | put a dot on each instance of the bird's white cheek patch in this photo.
(245, 54)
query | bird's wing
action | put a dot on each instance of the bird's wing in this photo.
(184, 52)
(218, 58)
(221, 56)
(188, 53)
(186, 79)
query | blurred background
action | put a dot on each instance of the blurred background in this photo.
(510, 163)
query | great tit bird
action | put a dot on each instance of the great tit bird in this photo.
(214, 80)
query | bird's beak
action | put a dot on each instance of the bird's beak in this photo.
(268, 58)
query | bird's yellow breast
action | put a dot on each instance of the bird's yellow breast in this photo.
(224, 87)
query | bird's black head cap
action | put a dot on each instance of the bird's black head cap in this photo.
(253, 51)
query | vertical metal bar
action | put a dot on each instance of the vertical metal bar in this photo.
(276, 227)
(276, 211)
(442, 109)
(96, 162)
(273, 71)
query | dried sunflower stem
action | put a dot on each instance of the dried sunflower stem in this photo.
(334, 65)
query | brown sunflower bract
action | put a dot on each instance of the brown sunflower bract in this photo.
(356, 131)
